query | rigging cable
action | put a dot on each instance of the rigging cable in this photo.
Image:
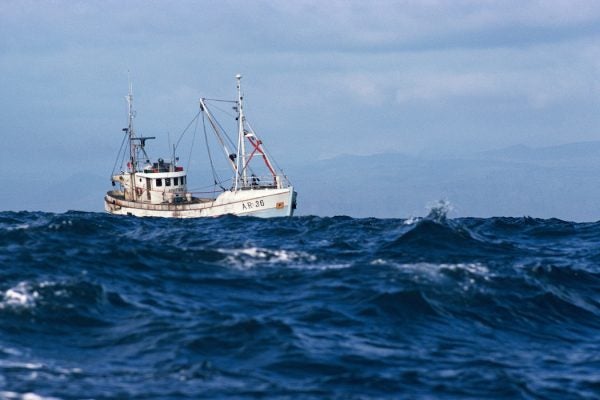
(216, 178)
(224, 111)
(222, 101)
(202, 188)
(185, 130)
(118, 154)
(193, 141)
(123, 160)
(278, 169)
(248, 168)
(221, 127)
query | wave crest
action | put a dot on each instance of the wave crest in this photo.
(73, 303)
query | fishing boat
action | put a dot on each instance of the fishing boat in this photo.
(160, 188)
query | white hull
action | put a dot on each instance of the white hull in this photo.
(264, 202)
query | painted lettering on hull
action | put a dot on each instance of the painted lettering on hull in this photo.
(250, 205)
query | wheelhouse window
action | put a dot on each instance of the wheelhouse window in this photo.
(159, 182)
(175, 181)
(167, 181)
(183, 180)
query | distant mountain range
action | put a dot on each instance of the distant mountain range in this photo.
(572, 152)
(558, 181)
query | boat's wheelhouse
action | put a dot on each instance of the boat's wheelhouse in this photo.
(158, 183)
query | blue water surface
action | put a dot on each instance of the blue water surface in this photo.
(94, 306)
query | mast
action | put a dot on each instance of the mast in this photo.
(241, 136)
(132, 146)
(240, 160)
(130, 132)
(136, 143)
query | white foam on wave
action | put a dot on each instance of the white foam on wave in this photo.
(18, 227)
(24, 396)
(411, 220)
(253, 256)
(322, 267)
(25, 295)
(10, 351)
(17, 364)
(21, 296)
(472, 268)
(37, 224)
(57, 226)
(431, 272)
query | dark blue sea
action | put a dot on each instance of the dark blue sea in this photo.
(94, 306)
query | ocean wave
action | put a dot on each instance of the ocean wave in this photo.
(304, 307)
(20, 296)
(433, 241)
(70, 303)
(7, 395)
(244, 336)
(400, 305)
(253, 256)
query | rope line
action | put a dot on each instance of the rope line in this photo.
(223, 130)
(118, 154)
(216, 178)
(222, 101)
(193, 141)
(185, 130)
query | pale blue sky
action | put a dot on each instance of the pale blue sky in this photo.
(322, 78)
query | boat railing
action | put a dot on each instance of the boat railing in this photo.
(265, 182)
(181, 206)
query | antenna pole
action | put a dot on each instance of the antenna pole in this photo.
(130, 131)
